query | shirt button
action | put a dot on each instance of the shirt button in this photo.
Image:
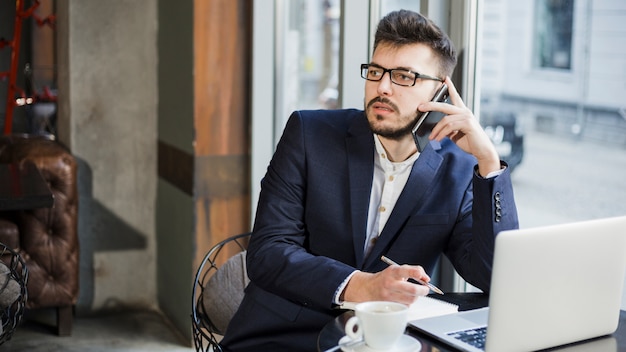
(391, 178)
(382, 209)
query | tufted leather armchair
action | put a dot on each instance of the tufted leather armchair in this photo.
(46, 238)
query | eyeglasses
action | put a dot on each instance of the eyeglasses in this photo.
(398, 76)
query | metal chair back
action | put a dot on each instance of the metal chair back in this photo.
(11, 315)
(205, 333)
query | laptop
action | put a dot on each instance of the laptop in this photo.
(550, 286)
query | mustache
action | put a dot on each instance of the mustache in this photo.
(384, 101)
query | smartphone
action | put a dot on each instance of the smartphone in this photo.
(428, 119)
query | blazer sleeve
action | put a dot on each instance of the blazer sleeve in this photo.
(490, 205)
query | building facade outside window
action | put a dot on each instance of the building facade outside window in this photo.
(552, 73)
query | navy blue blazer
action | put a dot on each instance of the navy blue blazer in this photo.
(310, 226)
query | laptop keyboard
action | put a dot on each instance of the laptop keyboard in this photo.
(475, 337)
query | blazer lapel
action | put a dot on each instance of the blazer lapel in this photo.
(360, 147)
(422, 175)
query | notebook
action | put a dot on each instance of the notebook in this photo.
(550, 286)
(426, 307)
(423, 307)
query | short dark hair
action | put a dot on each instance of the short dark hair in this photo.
(404, 27)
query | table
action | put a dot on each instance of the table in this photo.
(22, 187)
(333, 331)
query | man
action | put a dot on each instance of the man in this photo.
(347, 186)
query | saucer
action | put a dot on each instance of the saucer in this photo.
(405, 344)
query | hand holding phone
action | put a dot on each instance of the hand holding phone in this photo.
(427, 120)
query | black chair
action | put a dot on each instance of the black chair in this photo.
(13, 293)
(217, 291)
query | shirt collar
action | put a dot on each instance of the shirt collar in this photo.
(388, 165)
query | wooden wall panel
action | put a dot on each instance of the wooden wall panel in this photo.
(222, 46)
(222, 218)
(222, 72)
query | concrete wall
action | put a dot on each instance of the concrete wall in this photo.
(108, 117)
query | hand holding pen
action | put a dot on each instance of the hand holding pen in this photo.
(431, 286)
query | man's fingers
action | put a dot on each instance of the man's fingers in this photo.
(455, 97)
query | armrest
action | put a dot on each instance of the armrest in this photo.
(55, 162)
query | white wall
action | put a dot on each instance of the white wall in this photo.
(607, 61)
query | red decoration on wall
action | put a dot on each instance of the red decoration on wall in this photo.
(13, 98)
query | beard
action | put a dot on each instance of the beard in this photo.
(390, 132)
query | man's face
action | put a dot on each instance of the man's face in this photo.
(392, 109)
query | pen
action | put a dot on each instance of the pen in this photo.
(431, 286)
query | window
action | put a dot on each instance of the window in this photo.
(387, 6)
(564, 138)
(564, 134)
(553, 34)
(310, 55)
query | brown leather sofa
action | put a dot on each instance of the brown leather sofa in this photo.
(46, 238)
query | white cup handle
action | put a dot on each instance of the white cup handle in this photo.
(353, 329)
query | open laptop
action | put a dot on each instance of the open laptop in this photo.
(550, 286)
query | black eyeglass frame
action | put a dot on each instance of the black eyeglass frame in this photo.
(365, 69)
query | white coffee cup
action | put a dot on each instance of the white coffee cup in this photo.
(380, 323)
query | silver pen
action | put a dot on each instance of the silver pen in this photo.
(431, 286)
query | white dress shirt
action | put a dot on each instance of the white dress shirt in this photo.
(389, 181)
